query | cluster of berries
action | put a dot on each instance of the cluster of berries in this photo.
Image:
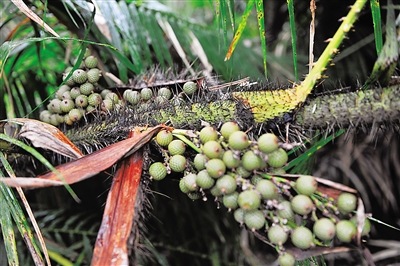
(79, 95)
(232, 168)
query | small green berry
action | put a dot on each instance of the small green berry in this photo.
(249, 200)
(194, 195)
(164, 138)
(74, 92)
(112, 96)
(285, 210)
(267, 189)
(230, 201)
(230, 160)
(302, 204)
(86, 88)
(277, 158)
(228, 128)
(254, 219)
(216, 168)
(91, 61)
(324, 229)
(302, 237)
(45, 116)
(204, 180)
(208, 134)
(104, 93)
(250, 161)
(66, 95)
(226, 184)
(239, 140)
(75, 115)
(55, 106)
(306, 185)
(177, 163)
(67, 105)
(346, 202)
(107, 105)
(238, 214)
(81, 101)
(93, 75)
(241, 171)
(133, 97)
(268, 143)
(182, 186)
(94, 99)
(87, 53)
(146, 94)
(54, 120)
(158, 171)
(212, 149)
(366, 228)
(345, 231)
(190, 182)
(199, 161)
(61, 90)
(176, 147)
(286, 259)
(165, 93)
(277, 235)
(189, 87)
(79, 76)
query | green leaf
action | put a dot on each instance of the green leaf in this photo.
(261, 28)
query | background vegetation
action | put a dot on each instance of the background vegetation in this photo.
(179, 230)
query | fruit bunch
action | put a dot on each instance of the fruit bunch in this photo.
(247, 177)
(79, 95)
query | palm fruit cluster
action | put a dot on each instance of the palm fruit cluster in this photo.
(79, 95)
(247, 177)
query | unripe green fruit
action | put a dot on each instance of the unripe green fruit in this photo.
(176, 147)
(61, 90)
(91, 62)
(250, 161)
(324, 229)
(93, 75)
(104, 93)
(55, 106)
(228, 128)
(240, 170)
(182, 186)
(75, 115)
(190, 182)
(60, 118)
(366, 228)
(230, 160)
(87, 53)
(216, 168)
(249, 200)
(79, 76)
(215, 191)
(177, 163)
(267, 189)
(204, 180)
(66, 95)
(70, 82)
(90, 108)
(277, 171)
(254, 219)
(94, 99)
(277, 235)
(302, 237)
(226, 184)
(194, 195)
(208, 134)
(285, 210)
(239, 140)
(230, 201)
(302, 204)
(45, 116)
(345, 231)
(81, 101)
(146, 94)
(346, 202)
(306, 185)
(133, 97)
(158, 171)
(277, 158)
(107, 105)
(53, 120)
(165, 92)
(255, 179)
(67, 120)
(199, 161)
(189, 87)
(160, 100)
(86, 88)
(112, 97)
(212, 149)
(238, 214)
(67, 105)
(268, 143)
(164, 138)
(286, 259)
(74, 92)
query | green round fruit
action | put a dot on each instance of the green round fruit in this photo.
(268, 143)
(204, 180)
(74, 92)
(267, 189)
(277, 235)
(67, 105)
(346, 202)
(194, 195)
(176, 146)
(112, 96)
(228, 128)
(66, 95)
(324, 229)
(158, 171)
(190, 182)
(91, 62)
(199, 161)
(94, 99)
(79, 76)
(238, 214)
(67, 120)
(54, 120)
(86, 88)
(189, 87)
(215, 191)
(55, 106)
(230, 201)
(226, 184)
(45, 116)
(238, 140)
(177, 163)
(286, 259)
(212, 149)
(215, 168)
(277, 158)
(107, 105)
(249, 200)
(302, 237)
(255, 179)
(146, 94)
(277, 171)
(61, 90)
(230, 160)
(241, 171)
(345, 231)
(70, 82)
(104, 93)
(366, 228)
(285, 210)
(75, 115)
(208, 134)
(81, 101)
(90, 108)
(254, 219)
(182, 186)
(302, 204)
(165, 93)
(164, 138)
(306, 185)
(160, 100)
(251, 161)
(93, 75)
(133, 97)
(87, 53)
